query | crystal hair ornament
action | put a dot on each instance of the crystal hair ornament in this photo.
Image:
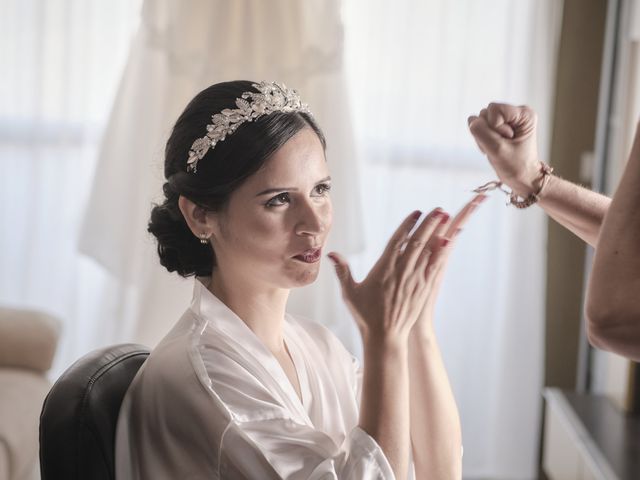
(271, 97)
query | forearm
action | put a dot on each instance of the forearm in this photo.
(576, 208)
(507, 135)
(613, 297)
(435, 425)
(384, 409)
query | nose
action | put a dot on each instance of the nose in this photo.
(312, 219)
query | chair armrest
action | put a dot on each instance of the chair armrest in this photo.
(28, 339)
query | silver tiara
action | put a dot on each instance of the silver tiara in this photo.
(273, 97)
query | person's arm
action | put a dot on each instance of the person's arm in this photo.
(386, 306)
(507, 135)
(384, 408)
(576, 208)
(613, 295)
(436, 436)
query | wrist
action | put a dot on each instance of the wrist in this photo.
(422, 334)
(524, 201)
(424, 322)
(384, 344)
(528, 182)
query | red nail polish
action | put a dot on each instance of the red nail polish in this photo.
(444, 242)
(416, 215)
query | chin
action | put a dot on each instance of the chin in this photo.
(303, 277)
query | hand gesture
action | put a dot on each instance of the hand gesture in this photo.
(507, 135)
(387, 303)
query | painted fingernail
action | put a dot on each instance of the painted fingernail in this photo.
(445, 217)
(444, 242)
(416, 215)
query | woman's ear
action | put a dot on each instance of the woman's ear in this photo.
(200, 221)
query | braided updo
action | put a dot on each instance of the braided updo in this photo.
(220, 171)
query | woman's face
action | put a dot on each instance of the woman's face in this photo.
(277, 221)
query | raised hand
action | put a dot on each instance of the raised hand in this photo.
(389, 300)
(507, 135)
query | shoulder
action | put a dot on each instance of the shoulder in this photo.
(169, 371)
(199, 368)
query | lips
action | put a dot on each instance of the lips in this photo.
(309, 256)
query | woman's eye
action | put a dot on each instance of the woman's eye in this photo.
(323, 188)
(278, 200)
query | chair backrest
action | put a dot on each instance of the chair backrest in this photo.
(79, 415)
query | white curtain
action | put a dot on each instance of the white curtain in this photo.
(411, 70)
(60, 62)
(417, 69)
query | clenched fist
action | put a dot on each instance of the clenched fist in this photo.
(506, 134)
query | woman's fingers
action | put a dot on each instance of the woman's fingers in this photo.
(430, 262)
(470, 122)
(343, 272)
(419, 240)
(407, 270)
(440, 245)
(487, 139)
(432, 238)
(463, 215)
(399, 237)
(499, 117)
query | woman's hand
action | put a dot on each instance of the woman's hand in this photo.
(507, 135)
(449, 230)
(387, 303)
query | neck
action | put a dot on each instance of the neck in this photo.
(261, 307)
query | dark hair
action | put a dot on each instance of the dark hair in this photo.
(219, 173)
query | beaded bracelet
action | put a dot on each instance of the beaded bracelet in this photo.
(514, 199)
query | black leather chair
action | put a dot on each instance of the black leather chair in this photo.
(79, 415)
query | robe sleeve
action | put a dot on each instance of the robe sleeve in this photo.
(281, 448)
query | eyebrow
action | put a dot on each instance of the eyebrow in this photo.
(291, 189)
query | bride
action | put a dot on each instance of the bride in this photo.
(239, 388)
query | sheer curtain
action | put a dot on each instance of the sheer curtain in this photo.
(414, 70)
(61, 60)
(417, 69)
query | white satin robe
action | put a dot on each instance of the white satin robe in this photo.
(211, 401)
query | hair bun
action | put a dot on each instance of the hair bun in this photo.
(179, 250)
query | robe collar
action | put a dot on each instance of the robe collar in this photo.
(218, 315)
